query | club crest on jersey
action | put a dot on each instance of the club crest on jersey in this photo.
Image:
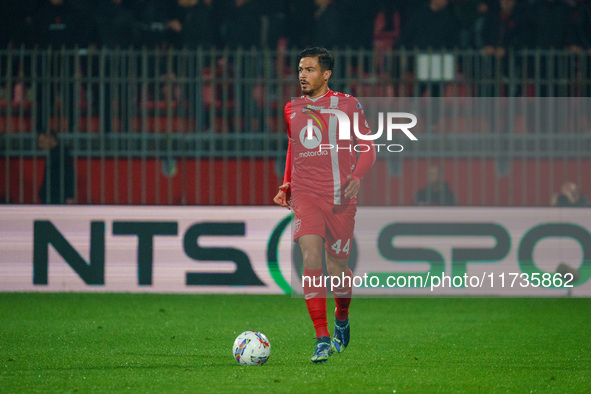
(316, 136)
(313, 131)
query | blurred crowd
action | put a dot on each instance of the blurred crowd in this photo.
(490, 25)
(67, 86)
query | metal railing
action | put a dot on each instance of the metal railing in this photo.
(152, 127)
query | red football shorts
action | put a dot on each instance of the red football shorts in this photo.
(334, 223)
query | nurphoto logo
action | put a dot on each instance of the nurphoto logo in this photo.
(344, 133)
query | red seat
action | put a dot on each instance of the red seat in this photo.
(162, 124)
(462, 125)
(16, 125)
(89, 124)
(520, 125)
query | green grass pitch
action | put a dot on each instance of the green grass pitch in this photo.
(182, 343)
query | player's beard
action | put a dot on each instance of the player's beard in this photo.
(306, 89)
(309, 89)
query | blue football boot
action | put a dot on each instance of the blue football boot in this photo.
(324, 349)
(342, 333)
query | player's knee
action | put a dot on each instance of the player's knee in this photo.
(312, 259)
(335, 266)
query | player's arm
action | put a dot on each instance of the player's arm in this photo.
(364, 164)
(364, 161)
(283, 196)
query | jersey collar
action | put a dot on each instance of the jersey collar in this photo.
(319, 97)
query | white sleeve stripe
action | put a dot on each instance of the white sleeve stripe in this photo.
(334, 153)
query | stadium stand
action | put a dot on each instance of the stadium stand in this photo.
(159, 116)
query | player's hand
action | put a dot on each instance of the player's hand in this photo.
(352, 187)
(283, 197)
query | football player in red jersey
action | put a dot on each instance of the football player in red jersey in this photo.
(321, 182)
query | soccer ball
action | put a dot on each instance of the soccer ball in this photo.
(251, 348)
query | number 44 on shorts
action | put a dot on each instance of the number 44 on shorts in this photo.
(337, 246)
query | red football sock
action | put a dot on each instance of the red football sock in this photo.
(316, 301)
(342, 297)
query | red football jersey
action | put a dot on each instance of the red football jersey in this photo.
(320, 165)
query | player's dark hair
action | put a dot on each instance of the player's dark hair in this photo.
(325, 58)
